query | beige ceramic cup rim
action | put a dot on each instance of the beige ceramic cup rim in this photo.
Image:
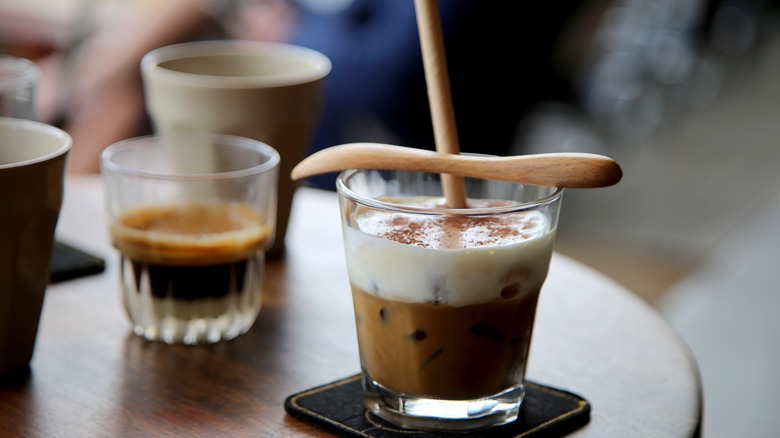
(62, 146)
(319, 64)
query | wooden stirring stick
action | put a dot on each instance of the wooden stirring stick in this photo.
(569, 170)
(439, 97)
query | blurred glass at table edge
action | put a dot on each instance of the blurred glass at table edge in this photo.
(18, 80)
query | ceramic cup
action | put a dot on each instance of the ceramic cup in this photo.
(270, 92)
(33, 165)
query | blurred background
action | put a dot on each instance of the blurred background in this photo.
(684, 94)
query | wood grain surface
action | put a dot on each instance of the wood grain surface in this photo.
(91, 376)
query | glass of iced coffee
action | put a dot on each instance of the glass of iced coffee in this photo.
(191, 216)
(444, 298)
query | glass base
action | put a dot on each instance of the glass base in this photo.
(196, 331)
(191, 318)
(412, 412)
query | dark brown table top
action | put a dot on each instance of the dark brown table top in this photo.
(90, 376)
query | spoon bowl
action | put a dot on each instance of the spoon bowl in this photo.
(566, 170)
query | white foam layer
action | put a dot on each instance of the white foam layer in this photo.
(476, 269)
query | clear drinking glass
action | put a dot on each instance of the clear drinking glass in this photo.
(191, 233)
(18, 78)
(444, 298)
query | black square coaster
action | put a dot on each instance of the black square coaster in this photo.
(338, 408)
(68, 262)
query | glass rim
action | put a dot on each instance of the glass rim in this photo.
(321, 64)
(24, 73)
(154, 140)
(344, 176)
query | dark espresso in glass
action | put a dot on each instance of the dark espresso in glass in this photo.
(191, 273)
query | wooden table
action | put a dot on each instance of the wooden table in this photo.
(90, 376)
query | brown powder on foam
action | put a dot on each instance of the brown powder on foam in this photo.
(402, 230)
(452, 231)
(456, 231)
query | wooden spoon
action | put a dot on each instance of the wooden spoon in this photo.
(569, 170)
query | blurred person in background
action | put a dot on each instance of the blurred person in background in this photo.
(501, 62)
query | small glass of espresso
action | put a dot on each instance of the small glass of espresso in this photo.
(444, 298)
(192, 215)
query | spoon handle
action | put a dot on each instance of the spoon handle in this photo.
(568, 170)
